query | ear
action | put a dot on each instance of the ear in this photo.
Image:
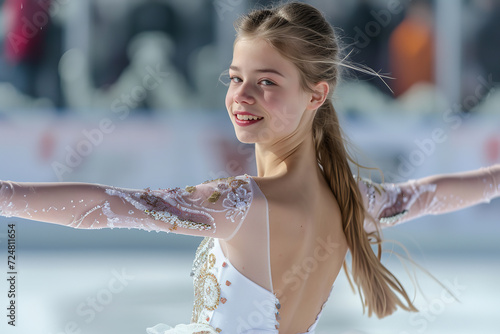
(319, 95)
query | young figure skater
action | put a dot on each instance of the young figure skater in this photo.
(273, 243)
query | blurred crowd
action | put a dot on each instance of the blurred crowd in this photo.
(162, 55)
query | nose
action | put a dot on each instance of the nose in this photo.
(243, 95)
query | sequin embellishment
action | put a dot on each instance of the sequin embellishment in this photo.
(397, 201)
(176, 221)
(214, 197)
(201, 255)
(371, 188)
(6, 194)
(207, 290)
(190, 189)
(192, 207)
(211, 291)
(394, 218)
(211, 259)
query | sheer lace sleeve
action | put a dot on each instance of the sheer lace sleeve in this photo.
(214, 208)
(390, 204)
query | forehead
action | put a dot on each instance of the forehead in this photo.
(252, 54)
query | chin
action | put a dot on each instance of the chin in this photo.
(246, 138)
(243, 135)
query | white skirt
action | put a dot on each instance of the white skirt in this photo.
(182, 329)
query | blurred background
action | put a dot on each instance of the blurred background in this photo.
(129, 93)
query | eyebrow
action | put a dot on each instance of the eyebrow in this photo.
(261, 70)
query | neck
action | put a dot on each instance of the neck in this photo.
(295, 156)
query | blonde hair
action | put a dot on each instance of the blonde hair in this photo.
(300, 33)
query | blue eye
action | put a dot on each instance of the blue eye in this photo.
(267, 82)
(234, 79)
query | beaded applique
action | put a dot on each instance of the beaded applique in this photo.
(401, 200)
(370, 192)
(201, 255)
(238, 196)
(394, 218)
(207, 289)
(192, 207)
(6, 194)
(394, 201)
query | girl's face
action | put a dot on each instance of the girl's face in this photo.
(264, 100)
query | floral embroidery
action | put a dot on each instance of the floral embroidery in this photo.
(237, 203)
(193, 207)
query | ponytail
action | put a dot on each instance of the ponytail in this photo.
(378, 287)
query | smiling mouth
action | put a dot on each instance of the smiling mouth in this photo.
(247, 117)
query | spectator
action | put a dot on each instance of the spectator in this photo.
(411, 48)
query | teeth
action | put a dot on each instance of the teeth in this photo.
(247, 117)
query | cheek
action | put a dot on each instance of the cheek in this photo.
(286, 112)
(229, 99)
(277, 103)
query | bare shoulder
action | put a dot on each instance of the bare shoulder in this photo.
(275, 190)
(280, 190)
(263, 183)
(296, 199)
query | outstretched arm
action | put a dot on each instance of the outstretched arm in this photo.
(214, 208)
(390, 204)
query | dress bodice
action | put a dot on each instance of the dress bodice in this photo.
(226, 299)
(229, 301)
